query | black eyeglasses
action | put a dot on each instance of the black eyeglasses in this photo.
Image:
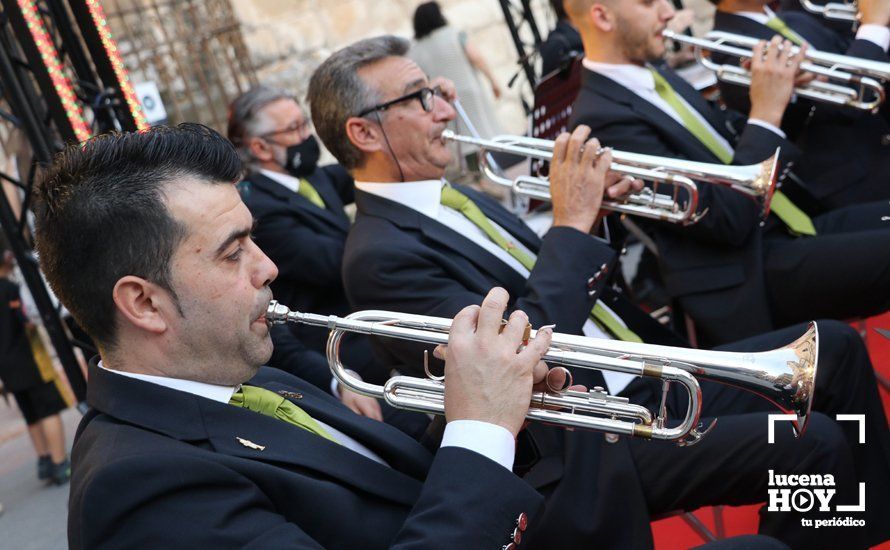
(424, 95)
(299, 127)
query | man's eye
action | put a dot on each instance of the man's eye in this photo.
(235, 256)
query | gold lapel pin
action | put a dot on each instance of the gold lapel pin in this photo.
(250, 444)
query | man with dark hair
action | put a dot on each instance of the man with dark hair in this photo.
(422, 246)
(846, 156)
(169, 457)
(301, 224)
(175, 297)
(733, 276)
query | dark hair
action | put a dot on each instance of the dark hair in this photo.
(559, 9)
(337, 92)
(427, 18)
(245, 120)
(101, 213)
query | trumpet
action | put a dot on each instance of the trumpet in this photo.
(835, 11)
(861, 79)
(784, 376)
(757, 181)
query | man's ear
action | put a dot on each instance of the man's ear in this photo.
(260, 149)
(143, 304)
(602, 17)
(364, 134)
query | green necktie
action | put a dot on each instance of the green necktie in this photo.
(793, 217)
(690, 121)
(452, 198)
(271, 404)
(306, 190)
(780, 27)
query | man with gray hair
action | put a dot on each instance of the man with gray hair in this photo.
(301, 224)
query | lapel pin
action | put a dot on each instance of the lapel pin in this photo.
(290, 394)
(250, 444)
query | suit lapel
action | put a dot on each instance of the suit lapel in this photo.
(332, 215)
(245, 434)
(397, 449)
(334, 210)
(442, 235)
(695, 99)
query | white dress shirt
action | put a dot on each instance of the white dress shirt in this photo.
(286, 180)
(877, 34)
(641, 82)
(489, 440)
(425, 197)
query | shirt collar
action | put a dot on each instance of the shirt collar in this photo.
(213, 392)
(423, 196)
(632, 77)
(760, 16)
(286, 180)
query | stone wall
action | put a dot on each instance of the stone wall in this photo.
(287, 40)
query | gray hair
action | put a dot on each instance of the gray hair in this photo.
(246, 119)
(336, 92)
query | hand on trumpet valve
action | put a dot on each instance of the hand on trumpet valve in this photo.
(774, 67)
(577, 179)
(488, 372)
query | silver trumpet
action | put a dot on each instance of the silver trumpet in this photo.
(854, 82)
(835, 11)
(783, 376)
(757, 181)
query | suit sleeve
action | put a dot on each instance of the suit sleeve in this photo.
(193, 503)
(409, 278)
(301, 254)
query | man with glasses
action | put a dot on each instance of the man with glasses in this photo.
(420, 245)
(301, 225)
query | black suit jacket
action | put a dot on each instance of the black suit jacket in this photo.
(155, 467)
(305, 242)
(400, 260)
(842, 147)
(715, 267)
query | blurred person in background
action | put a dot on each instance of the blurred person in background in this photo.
(38, 399)
(442, 50)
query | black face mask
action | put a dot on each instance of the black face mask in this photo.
(300, 159)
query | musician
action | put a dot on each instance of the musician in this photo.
(299, 209)
(415, 250)
(180, 451)
(846, 155)
(732, 276)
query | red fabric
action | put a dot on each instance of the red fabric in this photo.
(674, 533)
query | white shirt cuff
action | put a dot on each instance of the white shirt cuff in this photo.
(878, 34)
(768, 126)
(490, 440)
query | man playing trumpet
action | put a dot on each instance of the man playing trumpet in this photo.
(845, 154)
(190, 444)
(734, 277)
(421, 245)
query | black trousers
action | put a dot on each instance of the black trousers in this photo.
(842, 273)
(730, 464)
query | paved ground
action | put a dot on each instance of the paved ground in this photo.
(35, 515)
